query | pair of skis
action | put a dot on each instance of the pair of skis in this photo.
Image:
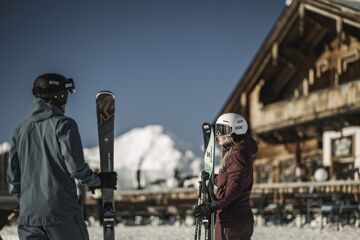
(105, 110)
(105, 106)
(206, 184)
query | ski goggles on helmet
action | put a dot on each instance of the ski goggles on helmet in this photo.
(70, 85)
(221, 130)
(52, 83)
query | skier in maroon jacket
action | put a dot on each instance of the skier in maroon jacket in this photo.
(234, 218)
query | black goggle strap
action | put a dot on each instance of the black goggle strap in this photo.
(221, 129)
(40, 92)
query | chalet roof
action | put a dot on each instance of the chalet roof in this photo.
(349, 11)
(350, 4)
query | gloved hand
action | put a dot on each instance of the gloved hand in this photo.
(204, 210)
(108, 180)
(93, 188)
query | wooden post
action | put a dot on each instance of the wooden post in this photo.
(339, 29)
(301, 17)
(275, 53)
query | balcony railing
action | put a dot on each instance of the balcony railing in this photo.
(316, 105)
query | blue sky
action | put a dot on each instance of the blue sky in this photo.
(172, 63)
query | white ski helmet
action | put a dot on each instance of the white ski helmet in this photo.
(229, 123)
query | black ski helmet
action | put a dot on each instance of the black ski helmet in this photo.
(53, 86)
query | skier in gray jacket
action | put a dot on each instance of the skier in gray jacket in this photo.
(45, 159)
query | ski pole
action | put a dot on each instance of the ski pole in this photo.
(197, 220)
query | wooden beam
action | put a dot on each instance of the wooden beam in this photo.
(352, 23)
(338, 183)
(301, 13)
(335, 8)
(328, 14)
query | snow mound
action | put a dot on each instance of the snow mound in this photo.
(151, 151)
(4, 147)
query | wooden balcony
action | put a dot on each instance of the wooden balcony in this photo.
(315, 106)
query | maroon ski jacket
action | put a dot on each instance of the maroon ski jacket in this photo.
(234, 183)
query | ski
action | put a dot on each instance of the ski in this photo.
(206, 184)
(105, 109)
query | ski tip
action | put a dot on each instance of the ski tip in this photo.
(105, 92)
(206, 125)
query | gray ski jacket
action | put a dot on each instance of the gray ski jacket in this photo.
(45, 159)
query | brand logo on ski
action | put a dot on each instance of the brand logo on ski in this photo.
(106, 110)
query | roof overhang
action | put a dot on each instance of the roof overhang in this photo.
(342, 13)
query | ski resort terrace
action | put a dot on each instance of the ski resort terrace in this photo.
(338, 186)
(276, 202)
(302, 197)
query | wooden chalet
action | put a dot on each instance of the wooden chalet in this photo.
(301, 94)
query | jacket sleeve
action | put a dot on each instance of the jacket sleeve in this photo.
(13, 172)
(235, 183)
(72, 151)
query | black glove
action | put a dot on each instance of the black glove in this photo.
(93, 188)
(204, 210)
(108, 180)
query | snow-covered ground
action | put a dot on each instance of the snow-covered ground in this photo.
(187, 233)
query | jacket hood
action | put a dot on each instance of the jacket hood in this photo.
(248, 144)
(42, 109)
